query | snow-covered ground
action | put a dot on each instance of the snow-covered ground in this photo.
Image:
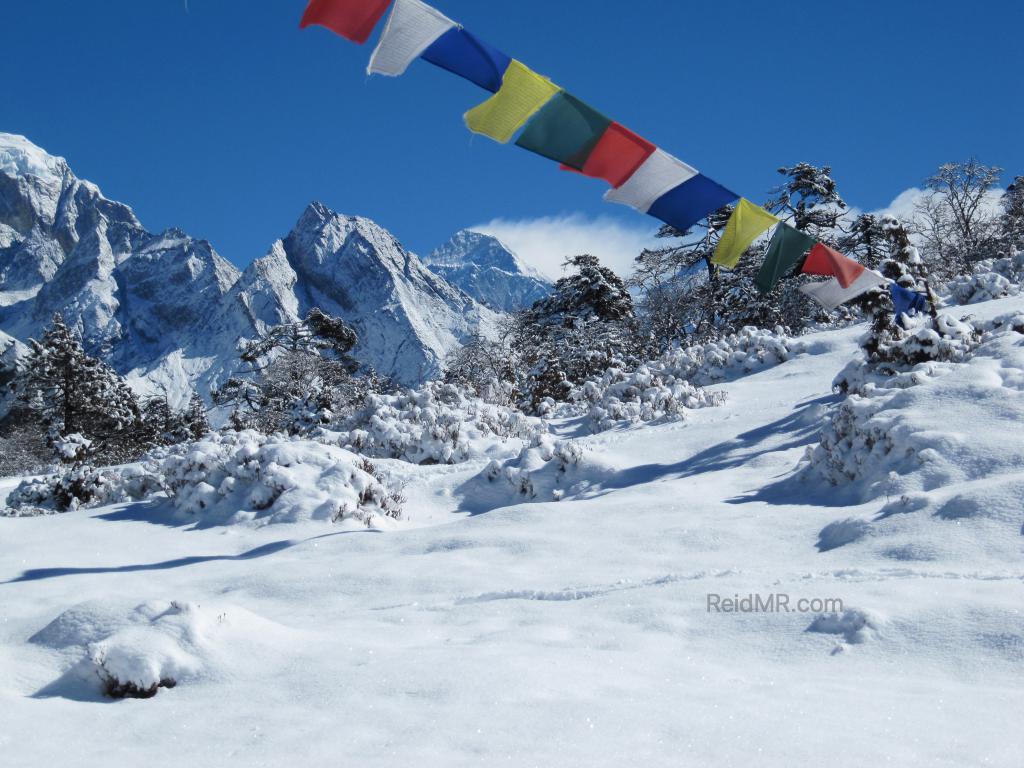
(491, 629)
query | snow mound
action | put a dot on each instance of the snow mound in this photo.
(854, 626)
(436, 424)
(20, 157)
(133, 654)
(842, 532)
(548, 470)
(917, 430)
(246, 476)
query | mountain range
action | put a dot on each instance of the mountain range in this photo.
(168, 312)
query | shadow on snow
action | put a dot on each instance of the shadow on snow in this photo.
(40, 574)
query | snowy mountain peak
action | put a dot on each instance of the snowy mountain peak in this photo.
(165, 309)
(20, 157)
(471, 247)
(327, 233)
(486, 269)
(408, 319)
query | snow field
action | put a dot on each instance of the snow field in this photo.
(576, 632)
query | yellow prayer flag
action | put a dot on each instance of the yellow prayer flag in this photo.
(523, 92)
(747, 222)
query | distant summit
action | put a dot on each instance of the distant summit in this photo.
(484, 268)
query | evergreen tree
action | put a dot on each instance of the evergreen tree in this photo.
(1012, 223)
(301, 376)
(167, 426)
(906, 268)
(585, 326)
(809, 200)
(161, 422)
(866, 241)
(684, 294)
(70, 393)
(195, 419)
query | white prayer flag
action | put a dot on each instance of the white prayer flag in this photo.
(830, 294)
(412, 28)
(660, 174)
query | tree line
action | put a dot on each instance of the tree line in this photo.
(296, 377)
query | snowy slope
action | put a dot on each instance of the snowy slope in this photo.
(487, 270)
(10, 352)
(495, 629)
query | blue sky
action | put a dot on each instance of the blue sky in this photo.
(224, 119)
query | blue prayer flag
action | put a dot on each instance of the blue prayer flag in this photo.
(464, 54)
(907, 302)
(691, 201)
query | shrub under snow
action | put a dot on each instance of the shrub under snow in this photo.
(234, 477)
(990, 279)
(910, 430)
(136, 653)
(540, 470)
(650, 393)
(738, 354)
(80, 486)
(436, 424)
(667, 387)
(946, 340)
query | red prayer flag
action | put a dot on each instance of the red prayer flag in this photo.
(828, 262)
(617, 156)
(352, 19)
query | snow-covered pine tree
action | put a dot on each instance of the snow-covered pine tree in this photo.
(302, 375)
(1012, 223)
(866, 241)
(896, 343)
(167, 426)
(586, 325)
(69, 393)
(195, 419)
(901, 262)
(160, 420)
(809, 200)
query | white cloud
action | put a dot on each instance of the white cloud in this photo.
(545, 243)
(905, 204)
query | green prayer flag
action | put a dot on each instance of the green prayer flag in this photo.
(786, 251)
(565, 130)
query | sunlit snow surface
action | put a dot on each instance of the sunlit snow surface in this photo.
(573, 633)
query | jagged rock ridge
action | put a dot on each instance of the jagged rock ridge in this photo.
(166, 310)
